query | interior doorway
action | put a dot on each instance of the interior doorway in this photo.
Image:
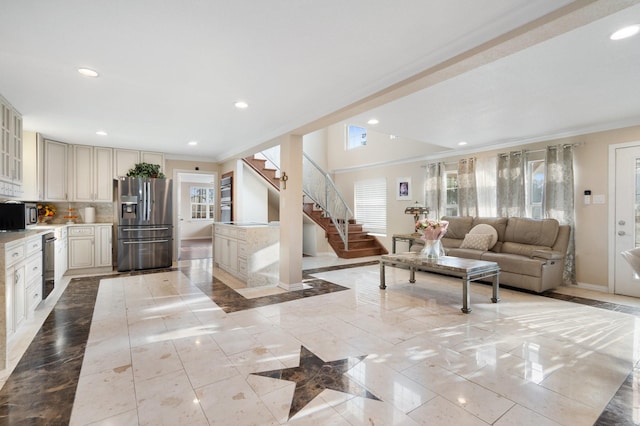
(195, 207)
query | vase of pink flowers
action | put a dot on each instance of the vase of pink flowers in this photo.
(432, 232)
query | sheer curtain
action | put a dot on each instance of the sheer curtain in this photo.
(559, 198)
(510, 185)
(486, 186)
(433, 193)
(467, 193)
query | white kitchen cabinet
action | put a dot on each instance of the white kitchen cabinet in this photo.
(92, 173)
(89, 246)
(11, 150)
(103, 256)
(55, 171)
(250, 253)
(126, 159)
(81, 240)
(153, 158)
(33, 273)
(15, 297)
(227, 253)
(123, 160)
(61, 263)
(15, 285)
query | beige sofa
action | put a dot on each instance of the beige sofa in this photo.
(530, 252)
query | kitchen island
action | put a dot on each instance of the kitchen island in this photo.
(248, 251)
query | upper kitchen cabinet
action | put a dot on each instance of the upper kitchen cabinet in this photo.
(10, 150)
(55, 171)
(126, 159)
(92, 173)
(153, 158)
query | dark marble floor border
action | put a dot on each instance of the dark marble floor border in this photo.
(610, 306)
(41, 389)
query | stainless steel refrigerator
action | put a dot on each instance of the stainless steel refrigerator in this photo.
(145, 227)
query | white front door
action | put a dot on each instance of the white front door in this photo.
(627, 210)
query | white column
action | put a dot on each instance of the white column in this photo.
(291, 213)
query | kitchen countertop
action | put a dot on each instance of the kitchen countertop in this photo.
(246, 224)
(8, 237)
(39, 229)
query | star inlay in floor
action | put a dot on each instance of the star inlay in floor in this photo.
(314, 375)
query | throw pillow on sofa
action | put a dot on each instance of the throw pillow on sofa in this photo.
(484, 228)
(476, 241)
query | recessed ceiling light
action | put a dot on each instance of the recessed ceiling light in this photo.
(87, 72)
(101, 133)
(392, 137)
(241, 105)
(193, 143)
(625, 32)
(462, 143)
(373, 121)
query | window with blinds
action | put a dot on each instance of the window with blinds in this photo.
(370, 205)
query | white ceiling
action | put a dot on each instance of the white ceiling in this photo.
(171, 71)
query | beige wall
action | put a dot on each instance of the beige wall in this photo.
(187, 165)
(380, 149)
(591, 172)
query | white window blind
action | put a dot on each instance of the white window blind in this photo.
(370, 206)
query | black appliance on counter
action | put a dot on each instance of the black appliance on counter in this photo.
(48, 264)
(143, 208)
(16, 216)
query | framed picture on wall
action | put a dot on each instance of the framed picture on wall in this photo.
(403, 188)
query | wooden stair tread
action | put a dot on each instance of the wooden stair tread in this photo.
(360, 242)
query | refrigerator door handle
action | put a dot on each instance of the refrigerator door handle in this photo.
(148, 185)
(144, 201)
(146, 242)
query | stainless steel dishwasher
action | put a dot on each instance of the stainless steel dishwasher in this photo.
(48, 263)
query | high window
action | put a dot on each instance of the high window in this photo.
(370, 205)
(356, 137)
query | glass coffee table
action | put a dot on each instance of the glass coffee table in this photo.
(467, 269)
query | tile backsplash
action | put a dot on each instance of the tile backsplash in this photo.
(104, 212)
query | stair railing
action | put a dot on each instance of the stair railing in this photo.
(320, 188)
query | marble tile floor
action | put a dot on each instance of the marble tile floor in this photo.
(196, 249)
(178, 347)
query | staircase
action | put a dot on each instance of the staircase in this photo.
(359, 242)
(259, 165)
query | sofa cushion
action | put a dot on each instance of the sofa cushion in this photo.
(536, 232)
(483, 228)
(515, 263)
(477, 241)
(526, 250)
(459, 226)
(465, 253)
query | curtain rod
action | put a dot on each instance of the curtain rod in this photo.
(531, 151)
(449, 163)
